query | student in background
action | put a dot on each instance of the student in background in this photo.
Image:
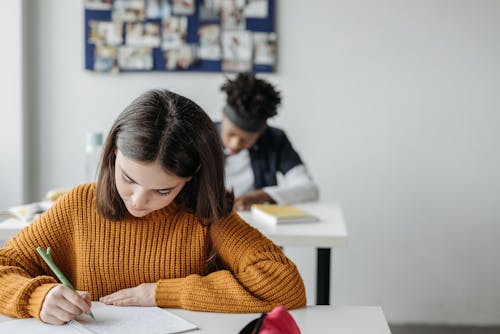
(157, 229)
(256, 152)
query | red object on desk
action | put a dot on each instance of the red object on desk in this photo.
(278, 321)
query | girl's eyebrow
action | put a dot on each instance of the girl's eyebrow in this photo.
(131, 179)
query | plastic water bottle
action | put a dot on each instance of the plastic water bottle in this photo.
(93, 150)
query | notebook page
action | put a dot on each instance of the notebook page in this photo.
(78, 327)
(133, 320)
(108, 320)
(32, 325)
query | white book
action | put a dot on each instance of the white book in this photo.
(25, 213)
(108, 320)
(280, 214)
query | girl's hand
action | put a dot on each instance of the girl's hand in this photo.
(141, 295)
(62, 304)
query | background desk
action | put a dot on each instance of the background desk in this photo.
(9, 228)
(311, 319)
(328, 233)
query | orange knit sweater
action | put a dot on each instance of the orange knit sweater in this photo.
(167, 246)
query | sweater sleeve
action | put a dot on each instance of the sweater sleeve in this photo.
(258, 275)
(24, 278)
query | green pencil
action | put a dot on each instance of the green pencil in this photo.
(48, 259)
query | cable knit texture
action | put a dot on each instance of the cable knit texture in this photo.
(168, 247)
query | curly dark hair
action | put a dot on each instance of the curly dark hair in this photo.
(251, 97)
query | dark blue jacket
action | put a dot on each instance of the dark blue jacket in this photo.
(272, 153)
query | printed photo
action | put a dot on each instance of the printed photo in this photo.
(256, 8)
(209, 42)
(143, 34)
(105, 32)
(135, 58)
(98, 4)
(128, 10)
(105, 59)
(210, 10)
(264, 48)
(232, 14)
(236, 50)
(183, 7)
(183, 57)
(174, 30)
(237, 45)
(158, 9)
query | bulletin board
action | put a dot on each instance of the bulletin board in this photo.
(180, 35)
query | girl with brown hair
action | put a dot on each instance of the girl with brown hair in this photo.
(157, 229)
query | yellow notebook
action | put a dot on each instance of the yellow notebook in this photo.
(278, 214)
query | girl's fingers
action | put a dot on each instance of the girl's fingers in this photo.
(86, 297)
(77, 300)
(63, 304)
(50, 319)
(116, 296)
(61, 315)
(69, 307)
(127, 301)
(141, 295)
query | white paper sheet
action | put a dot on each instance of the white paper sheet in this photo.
(108, 320)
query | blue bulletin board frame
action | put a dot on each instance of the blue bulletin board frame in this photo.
(159, 55)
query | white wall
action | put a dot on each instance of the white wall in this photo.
(393, 104)
(11, 111)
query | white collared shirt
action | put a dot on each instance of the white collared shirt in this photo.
(239, 173)
(294, 187)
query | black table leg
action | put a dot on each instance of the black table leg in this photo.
(323, 277)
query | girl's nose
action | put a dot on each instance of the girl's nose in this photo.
(139, 199)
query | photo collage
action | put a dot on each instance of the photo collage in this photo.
(180, 35)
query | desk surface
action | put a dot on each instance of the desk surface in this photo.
(329, 232)
(311, 319)
(9, 228)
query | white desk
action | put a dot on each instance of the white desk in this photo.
(330, 232)
(311, 319)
